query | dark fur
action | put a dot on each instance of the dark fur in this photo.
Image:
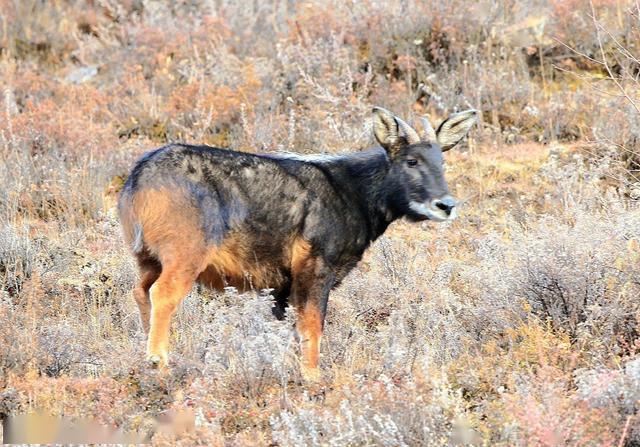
(295, 224)
(339, 204)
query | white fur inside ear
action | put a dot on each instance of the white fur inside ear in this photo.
(390, 130)
(454, 128)
(385, 127)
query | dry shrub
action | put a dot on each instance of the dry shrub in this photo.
(380, 412)
(80, 303)
(73, 118)
(258, 351)
(615, 391)
(544, 415)
(501, 328)
(582, 276)
(616, 85)
(17, 258)
(56, 185)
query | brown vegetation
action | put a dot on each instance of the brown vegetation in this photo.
(517, 324)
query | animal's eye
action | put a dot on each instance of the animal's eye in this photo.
(412, 162)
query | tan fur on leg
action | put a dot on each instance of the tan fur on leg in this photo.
(141, 295)
(309, 328)
(166, 294)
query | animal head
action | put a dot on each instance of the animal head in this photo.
(417, 188)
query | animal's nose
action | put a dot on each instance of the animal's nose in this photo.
(446, 204)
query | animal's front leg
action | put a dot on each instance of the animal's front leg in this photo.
(309, 326)
(310, 293)
(311, 282)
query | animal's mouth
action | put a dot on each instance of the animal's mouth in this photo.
(431, 212)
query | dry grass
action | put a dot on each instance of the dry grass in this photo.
(517, 324)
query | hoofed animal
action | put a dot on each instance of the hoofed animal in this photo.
(295, 224)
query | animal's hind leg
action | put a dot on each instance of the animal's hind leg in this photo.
(166, 294)
(149, 272)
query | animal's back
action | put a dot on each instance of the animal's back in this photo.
(234, 217)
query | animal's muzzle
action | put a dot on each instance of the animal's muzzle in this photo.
(446, 204)
(439, 210)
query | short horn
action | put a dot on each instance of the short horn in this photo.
(429, 133)
(408, 131)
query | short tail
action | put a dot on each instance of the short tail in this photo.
(138, 239)
(132, 229)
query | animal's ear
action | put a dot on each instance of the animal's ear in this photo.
(454, 128)
(391, 132)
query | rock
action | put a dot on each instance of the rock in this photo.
(82, 74)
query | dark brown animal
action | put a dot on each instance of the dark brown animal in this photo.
(295, 224)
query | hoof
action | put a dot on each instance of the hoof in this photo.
(156, 362)
(310, 375)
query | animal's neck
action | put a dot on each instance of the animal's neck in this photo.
(364, 179)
